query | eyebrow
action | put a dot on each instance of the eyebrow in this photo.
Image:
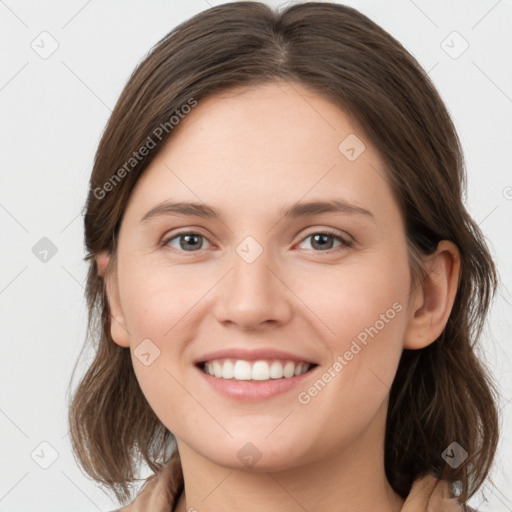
(297, 210)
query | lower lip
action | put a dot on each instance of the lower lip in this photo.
(251, 390)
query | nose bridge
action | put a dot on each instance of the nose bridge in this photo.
(250, 268)
(251, 294)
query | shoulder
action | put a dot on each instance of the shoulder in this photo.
(154, 495)
(428, 493)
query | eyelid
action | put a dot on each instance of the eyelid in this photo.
(328, 231)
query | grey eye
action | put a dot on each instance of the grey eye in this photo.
(188, 242)
(323, 241)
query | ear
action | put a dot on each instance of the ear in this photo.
(431, 304)
(118, 329)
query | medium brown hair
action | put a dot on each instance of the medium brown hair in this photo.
(441, 393)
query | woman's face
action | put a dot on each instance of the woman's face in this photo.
(267, 278)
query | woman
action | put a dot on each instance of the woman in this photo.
(284, 281)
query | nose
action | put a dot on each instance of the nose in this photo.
(253, 294)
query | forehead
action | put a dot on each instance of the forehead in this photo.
(277, 120)
(275, 143)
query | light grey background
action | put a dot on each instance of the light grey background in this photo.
(52, 113)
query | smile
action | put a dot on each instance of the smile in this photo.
(240, 369)
(254, 380)
(260, 370)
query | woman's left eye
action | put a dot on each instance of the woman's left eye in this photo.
(321, 241)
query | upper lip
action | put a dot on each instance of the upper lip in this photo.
(252, 355)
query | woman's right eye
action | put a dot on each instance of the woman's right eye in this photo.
(188, 241)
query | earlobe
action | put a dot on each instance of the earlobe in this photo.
(431, 304)
(118, 330)
(102, 260)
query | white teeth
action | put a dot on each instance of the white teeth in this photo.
(242, 370)
(276, 370)
(289, 369)
(217, 369)
(261, 370)
(228, 370)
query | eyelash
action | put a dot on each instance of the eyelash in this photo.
(344, 242)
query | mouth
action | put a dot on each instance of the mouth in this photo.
(256, 371)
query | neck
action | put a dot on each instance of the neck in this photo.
(352, 478)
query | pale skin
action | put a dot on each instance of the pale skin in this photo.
(250, 153)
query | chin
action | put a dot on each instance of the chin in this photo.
(255, 457)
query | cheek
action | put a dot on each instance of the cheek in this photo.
(159, 310)
(363, 309)
(357, 297)
(159, 299)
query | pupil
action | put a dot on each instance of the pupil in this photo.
(320, 237)
(187, 240)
